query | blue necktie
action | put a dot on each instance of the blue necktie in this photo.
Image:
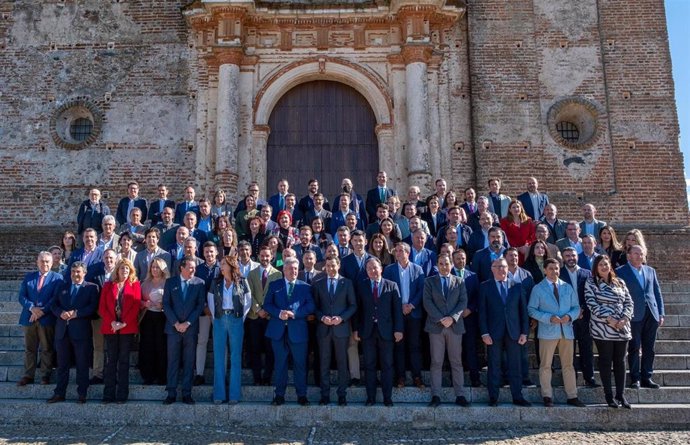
(281, 202)
(444, 285)
(185, 286)
(504, 292)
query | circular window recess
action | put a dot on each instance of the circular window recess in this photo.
(76, 124)
(574, 122)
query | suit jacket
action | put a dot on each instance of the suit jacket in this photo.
(258, 291)
(556, 231)
(466, 207)
(168, 235)
(499, 319)
(307, 203)
(123, 205)
(277, 300)
(464, 234)
(543, 304)
(215, 297)
(326, 215)
(30, 296)
(131, 305)
(428, 245)
(155, 210)
(274, 202)
(440, 222)
(337, 220)
(502, 211)
(184, 207)
(208, 274)
(356, 205)
(648, 296)
(417, 277)
(524, 278)
(88, 217)
(565, 242)
(598, 225)
(526, 200)
(579, 287)
(583, 262)
(78, 255)
(481, 264)
(95, 274)
(316, 276)
(388, 310)
(473, 221)
(178, 308)
(343, 304)
(374, 199)
(472, 287)
(85, 302)
(300, 251)
(141, 265)
(374, 227)
(439, 306)
(349, 268)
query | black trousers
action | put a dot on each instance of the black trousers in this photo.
(313, 353)
(583, 339)
(643, 337)
(153, 348)
(612, 352)
(470, 357)
(376, 348)
(408, 350)
(116, 369)
(330, 345)
(257, 345)
(83, 350)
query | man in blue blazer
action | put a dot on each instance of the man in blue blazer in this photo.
(36, 295)
(576, 276)
(483, 258)
(380, 324)
(289, 302)
(279, 201)
(188, 205)
(469, 315)
(533, 201)
(184, 299)
(420, 255)
(554, 304)
(132, 200)
(356, 201)
(378, 195)
(648, 315)
(74, 307)
(503, 325)
(409, 278)
(353, 265)
(158, 205)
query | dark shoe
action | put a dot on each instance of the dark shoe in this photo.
(106, 401)
(45, 380)
(548, 402)
(199, 380)
(96, 381)
(493, 402)
(521, 402)
(187, 400)
(342, 401)
(302, 400)
(635, 385)
(649, 384)
(148, 382)
(369, 402)
(435, 402)
(476, 384)
(591, 383)
(354, 382)
(388, 402)
(324, 401)
(461, 401)
(120, 402)
(623, 402)
(527, 383)
(419, 383)
(56, 399)
(278, 400)
(169, 400)
(25, 381)
(401, 382)
(576, 402)
(81, 400)
(611, 403)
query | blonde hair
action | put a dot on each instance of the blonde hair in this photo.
(132, 272)
(162, 265)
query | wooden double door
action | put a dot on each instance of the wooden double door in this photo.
(323, 130)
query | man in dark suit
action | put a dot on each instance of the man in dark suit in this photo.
(586, 259)
(503, 324)
(441, 186)
(482, 208)
(318, 210)
(184, 299)
(445, 300)
(91, 212)
(308, 202)
(167, 228)
(132, 200)
(289, 302)
(188, 205)
(482, 259)
(158, 205)
(36, 296)
(89, 253)
(356, 201)
(380, 324)
(576, 276)
(420, 255)
(480, 238)
(533, 201)
(190, 222)
(378, 195)
(435, 221)
(74, 307)
(353, 265)
(382, 212)
(336, 304)
(470, 204)
(556, 226)
(409, 278)
(648, 315)
(456, 219)
(306, 245)
(590, 225)
(278, 201)
(143, 258)
(469, 315)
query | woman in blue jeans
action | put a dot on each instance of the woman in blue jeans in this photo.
(229, 302)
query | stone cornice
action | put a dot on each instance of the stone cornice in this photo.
(416, 53)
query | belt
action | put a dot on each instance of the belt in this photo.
(230, 312)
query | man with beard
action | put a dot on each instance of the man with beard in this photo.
(356, 201)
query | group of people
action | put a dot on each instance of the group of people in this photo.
(282, 280)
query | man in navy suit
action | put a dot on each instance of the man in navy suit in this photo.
(420, 255)
(36, 295)
(289, 302)
(380, 324)
(482, 208)
(356, 201)
(586, 259)
(409, 278)
(378, 195)
(158, 205)
(74, 307)
(184, 299)
(190, 222)
(557, 227)
(470, 204)
(279, 201)
(91, 212)
(132, 200)
(88, 254)
(469, 315)
(339, 214)
(306, 204)
(336, 303)
(577, 276)
(382, 212)
(590, 225)
(648, 315)
(533, 201)
(483, 258)
(352, 266)
(503, 324)
(188, 205)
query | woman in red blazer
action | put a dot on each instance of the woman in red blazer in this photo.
(119, 308)
(519, 229)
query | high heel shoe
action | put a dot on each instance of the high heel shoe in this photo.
(611, 403)
(623, 402)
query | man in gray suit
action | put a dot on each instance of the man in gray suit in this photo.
(143, 258)
(590, 225)
(336, 303)
(445, 298)
(572, 238)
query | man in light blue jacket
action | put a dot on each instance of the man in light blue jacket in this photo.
(554, 304)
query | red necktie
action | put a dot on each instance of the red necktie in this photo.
(40, 282)
(264, 278)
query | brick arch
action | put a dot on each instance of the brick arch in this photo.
(323, 68)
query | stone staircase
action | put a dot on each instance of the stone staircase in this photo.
(668, 406)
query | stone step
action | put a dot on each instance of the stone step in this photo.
(673, 333)
(9, 317)
(676, 297)
(677, 321)
(677, 308)
(11, 330)
(10, 285)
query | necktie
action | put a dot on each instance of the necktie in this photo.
(504, 291)
(264, 278)
(185, 285)
(555, 293)
(40, 282)
(307, 277)
(281, 202)
(375, 292)
(444, 285)
(73, 294)
(291, 287)
(331, 287)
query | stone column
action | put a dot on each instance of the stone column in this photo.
(228, 117)
(416, 57)
(388, 161)
(258, 163)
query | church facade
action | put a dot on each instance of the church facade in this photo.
(217, 94)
